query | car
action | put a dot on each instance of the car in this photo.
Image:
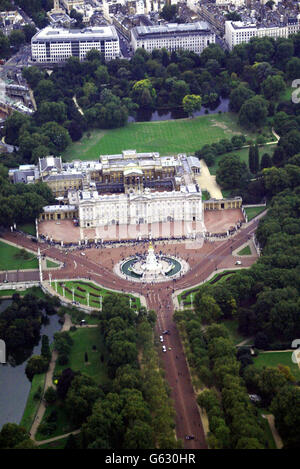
(238, 263)
(189, 437)
(161, 338)
(164, 349)
(82, 253)
(166, 332)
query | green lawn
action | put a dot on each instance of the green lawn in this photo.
(276, 358)
(34, 291)
(253, 211)
(287, 94)
(83, 341)
(28, 228)
(84, 338)
(165, 137)
(205, 195)
(192, 291)
(243, 154)
(246, 251)
(51, 264)
(33, 402)
(11, 258)
(232, 328)
(80, 293)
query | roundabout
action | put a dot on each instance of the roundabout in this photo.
(151, 268)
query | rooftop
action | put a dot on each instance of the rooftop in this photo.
(60, 34)
(172, 28)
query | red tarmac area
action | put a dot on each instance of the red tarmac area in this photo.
(215, 221)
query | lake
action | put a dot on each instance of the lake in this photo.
(14, 384)
(170, 114)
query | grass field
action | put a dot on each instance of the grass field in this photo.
(11, 258)
(232, 328)
(253, 211)
(243, 154)
(32, 403)
(276, 358)
(246, 251)
(94, 291)
(83, 341)
(28, 228)
(191, 291)
(34, 290)
(165, 137)
(51, 264)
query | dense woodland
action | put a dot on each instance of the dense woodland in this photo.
(21, 203)
(20, 324)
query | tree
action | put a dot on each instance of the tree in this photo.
(17, 38)
(232, 173)
(253, 112)
(50, 395)
(64, 382)
(144, 93)
(12, 435)
(238, 96)
(4, 46)
(208, 309)
(168, 12)
(191, 103)
(139, 436)
(36, 365)
(266, 161)
(273, 86)
(59, 137)
(285, 407)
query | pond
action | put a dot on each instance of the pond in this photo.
(170, 114)
(14, 384)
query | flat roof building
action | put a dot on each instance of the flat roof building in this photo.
(58, 44)
(237, 32)
(172, 36)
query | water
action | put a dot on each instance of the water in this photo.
(172, 114)
(4, 304)
(14, 384)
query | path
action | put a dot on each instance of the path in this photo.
(276, 436)
(48, 382)
(56, 438)
(208, 183)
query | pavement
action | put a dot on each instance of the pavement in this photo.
(208, 183)
(97, 265)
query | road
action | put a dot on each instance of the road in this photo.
(97, 265)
